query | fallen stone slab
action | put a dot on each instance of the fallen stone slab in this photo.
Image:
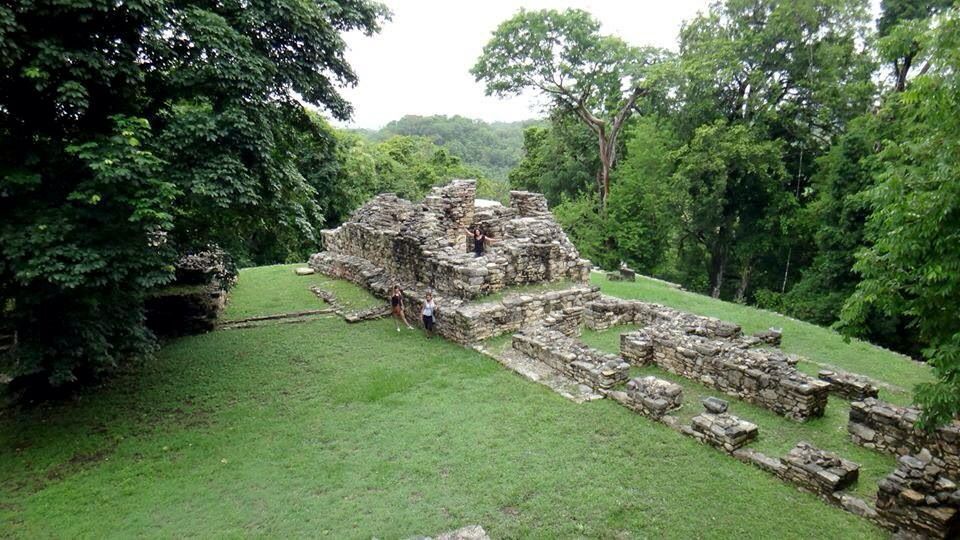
(470, 532)
(304, 271)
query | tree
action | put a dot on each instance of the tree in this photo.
(129, 130)
(912, 265)
(563, 55)
(900, 28)
(733, 181)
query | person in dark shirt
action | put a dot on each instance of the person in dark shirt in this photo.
(480, 240)
(396, 307)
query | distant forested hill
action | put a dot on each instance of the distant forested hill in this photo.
(495, 148)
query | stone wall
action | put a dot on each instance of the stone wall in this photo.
(889, 428)
(817, 470)
(765, 377)
(918, 501)
(471, 322)
(848, 385)
(598, 370)
(608, 311)
(721, 430)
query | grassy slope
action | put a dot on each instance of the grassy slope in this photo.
(353, 431)
(276, 289)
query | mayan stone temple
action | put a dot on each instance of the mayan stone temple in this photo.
(531, 283)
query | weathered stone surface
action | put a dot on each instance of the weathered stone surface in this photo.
(470, 532)
(765, 377)
(770, 336)
(426, 243)
(918, 501)
(724, 431)
(817, 470)
(848, 385)
(607, 311)
(650, 396)
(890, 428)
(304, 271)
(714, 405)
(598, 370)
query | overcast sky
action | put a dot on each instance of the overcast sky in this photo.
(420, 63)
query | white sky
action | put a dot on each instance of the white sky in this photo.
(419, 64)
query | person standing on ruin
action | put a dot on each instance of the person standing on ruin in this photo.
(396, 306)
(480, 240)
(429, 308)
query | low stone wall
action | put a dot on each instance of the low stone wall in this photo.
(764, 377)
(848, 385)
(883, 426)
(598, 370)
(723, 430)
(650, 396)
(473, 322)
(917, 501)
(817, 470)
(608, 311)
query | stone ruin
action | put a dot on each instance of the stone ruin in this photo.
(848, 385)
(917, 501)
(600, 371)
(715, 353)
(891, 428)
(721, 429)
(818, 471)
(533, 282)
(424, 246)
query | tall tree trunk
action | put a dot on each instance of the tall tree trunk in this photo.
(718, 265)
(744, 283)
(603, 175)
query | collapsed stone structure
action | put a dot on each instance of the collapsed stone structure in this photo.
(918, 501)
(817, 470)
(890, 428)
(848, 385)
(713, 352)
(533, 282)
(425, 246)
(600, 371)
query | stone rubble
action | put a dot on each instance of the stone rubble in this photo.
(848, 385)
(650, 396)
(818, 470)
(918, 501)
(890, 428)
(724, 430)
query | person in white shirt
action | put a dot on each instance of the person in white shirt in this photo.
(429, 307)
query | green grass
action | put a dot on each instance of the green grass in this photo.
(814, 343)
(269, 290)
(324, 429)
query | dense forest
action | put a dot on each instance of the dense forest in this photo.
(799, 156)
(493, 148)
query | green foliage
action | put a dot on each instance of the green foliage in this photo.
(493, 148)
(132, 130)
(913, 263)
(595, 78)
(734, 205)
(559, 161)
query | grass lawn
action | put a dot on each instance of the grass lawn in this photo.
(268, 290)
(323, 429)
